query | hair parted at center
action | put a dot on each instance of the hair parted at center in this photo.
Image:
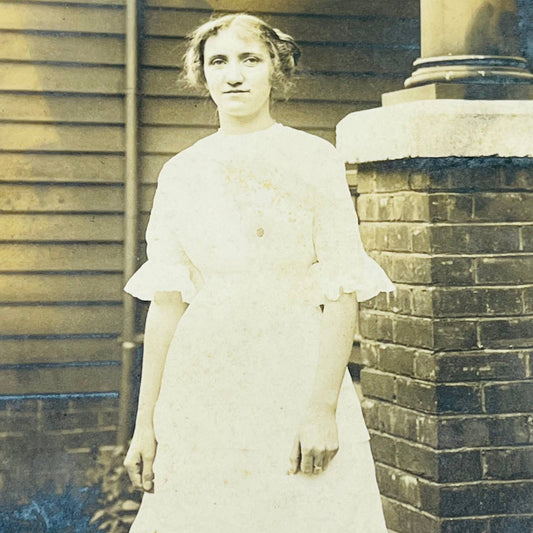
(284, 51)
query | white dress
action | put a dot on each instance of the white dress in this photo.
(256, 231)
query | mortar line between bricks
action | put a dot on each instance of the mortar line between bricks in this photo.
(431, 224)
(435, 353)
(77, 431)
(452, 485)
(473, 286)
(450, 417)
(487, 517)
(462, 484)
(410, 506)
(442, 352)
(440, 192)
(446, 318)
(450, 414)
(458, 255)
(88, 449)
(80, 431)
(428, 448)
(479, 345)
(451, 383)
(503, 448)
(454, 518)
(474, 265)
(482, 395)
(458, 191)
(431, 287)
(456, 318)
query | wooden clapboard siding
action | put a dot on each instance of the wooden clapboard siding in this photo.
(61, 18)
(20, 136)
(60, 379)
(62, 142)
(37, 227)
(403, 8)
(352, 52)
(52, 350)
(60, 319)
(58, 78)
(304, 28)
(62, 108)
(82, 257)
(50, 167)
(102, 50)
(171, 139)
(52, 288)
(96, 3)
(61, 195)
(51, 197)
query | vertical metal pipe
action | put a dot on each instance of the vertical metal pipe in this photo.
(131, 194)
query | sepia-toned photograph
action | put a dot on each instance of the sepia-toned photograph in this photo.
(266, 267)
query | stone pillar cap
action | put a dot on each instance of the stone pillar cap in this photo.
(438, 128)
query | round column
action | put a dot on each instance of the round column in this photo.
(469, 41)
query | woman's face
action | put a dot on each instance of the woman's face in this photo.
(238, 71)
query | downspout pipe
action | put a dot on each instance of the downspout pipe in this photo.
(131, 216)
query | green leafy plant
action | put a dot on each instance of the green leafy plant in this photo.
(118, 501)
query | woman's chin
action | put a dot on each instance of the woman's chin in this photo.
(237, 110)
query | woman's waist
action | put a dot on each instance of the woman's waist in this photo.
(293, 283)
(254, 268)
(290, 275)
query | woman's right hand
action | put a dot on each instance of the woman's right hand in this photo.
(140, 458)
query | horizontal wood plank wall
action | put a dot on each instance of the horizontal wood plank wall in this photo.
(61, 196)
(353, 51)
(62, 143)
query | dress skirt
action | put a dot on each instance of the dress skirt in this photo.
(236, 382)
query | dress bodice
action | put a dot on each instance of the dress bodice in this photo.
(274, 200)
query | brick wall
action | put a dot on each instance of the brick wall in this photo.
(50, 442)
(448, 357)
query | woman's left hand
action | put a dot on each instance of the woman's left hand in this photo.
(316, 442)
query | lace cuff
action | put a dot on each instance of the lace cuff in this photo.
(366, 280)
(156, 276)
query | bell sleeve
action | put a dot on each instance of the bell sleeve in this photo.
(342, 266)
(168, 267)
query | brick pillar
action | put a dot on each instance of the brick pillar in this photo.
(448, 378)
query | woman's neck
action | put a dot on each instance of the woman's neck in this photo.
(233, 125)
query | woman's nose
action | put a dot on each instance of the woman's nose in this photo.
(234, 74)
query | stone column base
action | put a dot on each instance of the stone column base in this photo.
(460, 91)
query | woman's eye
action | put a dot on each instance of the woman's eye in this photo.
(217, 61)
(252, 60)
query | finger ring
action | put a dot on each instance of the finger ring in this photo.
(317, 468)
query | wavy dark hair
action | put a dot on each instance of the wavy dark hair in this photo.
(284, 52)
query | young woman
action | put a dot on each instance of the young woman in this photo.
(247, 418)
